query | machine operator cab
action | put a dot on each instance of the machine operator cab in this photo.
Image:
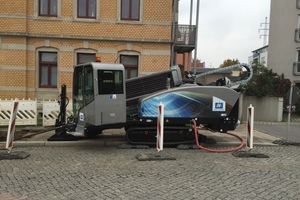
(99, 97)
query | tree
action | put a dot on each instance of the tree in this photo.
(229, 62)
(197, 60)
(266, 83)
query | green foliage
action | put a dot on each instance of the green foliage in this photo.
(266, 83)
(229, 62)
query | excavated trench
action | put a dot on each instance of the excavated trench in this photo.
(18, 134)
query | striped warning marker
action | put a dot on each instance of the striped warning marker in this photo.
(160, 128)
(11, 127)
(250, 119)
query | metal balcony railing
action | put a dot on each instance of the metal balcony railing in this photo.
(296, 68)
(185, 34)
(297, 35)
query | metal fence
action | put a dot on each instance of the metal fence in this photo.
(185, 34)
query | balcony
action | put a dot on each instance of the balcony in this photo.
(184, 40)
(297, 35)
(296, 68)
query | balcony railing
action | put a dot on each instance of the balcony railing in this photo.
(297, 35)
(185, 34)
(296, 68)
(185, 38)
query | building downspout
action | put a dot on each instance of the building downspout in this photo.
(175, 5)
(26, 53)
(191, 21)
(196, 36)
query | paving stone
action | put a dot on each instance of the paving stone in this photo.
(96, 172)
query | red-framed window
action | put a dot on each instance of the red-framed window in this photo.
(48, 8)
(47, 69)
(130, 63)
(86, 9)
(130, 10)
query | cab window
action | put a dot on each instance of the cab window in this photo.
(88, 84)
(110, 81)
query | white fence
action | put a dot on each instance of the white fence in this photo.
(268, 109)
(26, 115)
(51, 112)
(28, 112)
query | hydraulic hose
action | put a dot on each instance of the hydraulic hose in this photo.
(216, 150)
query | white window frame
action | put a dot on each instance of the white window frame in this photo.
(296, 66)
(297, 31)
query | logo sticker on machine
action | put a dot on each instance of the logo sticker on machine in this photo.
(113, 96)
(218, 104)
(81, 116)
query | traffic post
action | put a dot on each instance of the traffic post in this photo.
(250, 121)
(159, 140)
(11, 127)
(160, 128)
(10, 136)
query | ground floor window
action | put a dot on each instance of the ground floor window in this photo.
(130, 63)
(48, 69)
(85, 57)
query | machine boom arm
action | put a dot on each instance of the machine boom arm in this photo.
(246, 66)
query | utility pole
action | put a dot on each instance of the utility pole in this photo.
(265, 29)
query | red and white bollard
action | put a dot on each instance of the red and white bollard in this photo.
(160, 128)
(11, 127)
(250, 119)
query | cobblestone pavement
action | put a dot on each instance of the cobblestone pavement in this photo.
(112, 173)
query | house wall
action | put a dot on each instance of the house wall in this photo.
(282, 50)
(23, 34)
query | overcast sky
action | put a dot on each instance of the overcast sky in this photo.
(228, 29)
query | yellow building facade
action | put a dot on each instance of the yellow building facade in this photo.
(41, 41)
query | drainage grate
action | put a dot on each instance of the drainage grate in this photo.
(247, 154)
(282, 142)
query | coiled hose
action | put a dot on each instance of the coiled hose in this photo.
(216, 150)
